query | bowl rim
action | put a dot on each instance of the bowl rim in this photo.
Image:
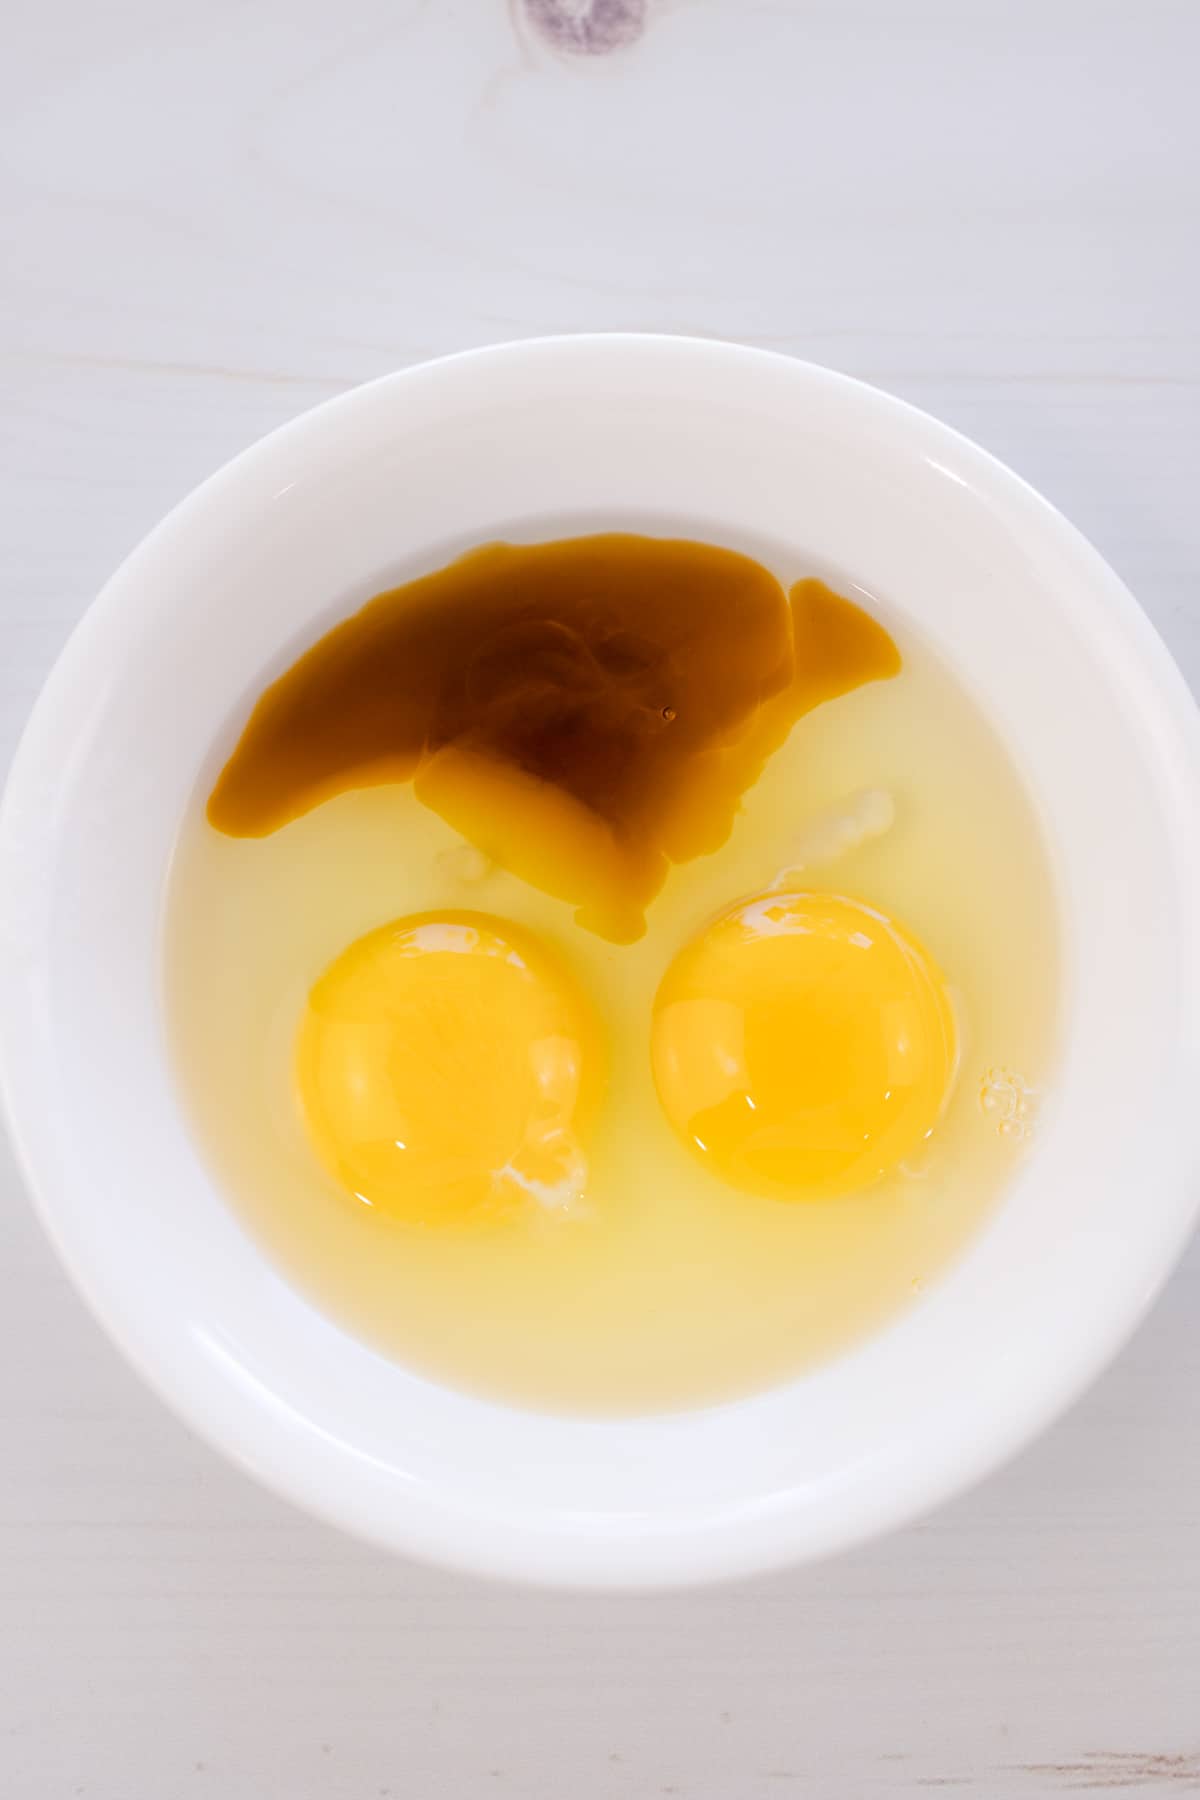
(721, 1554)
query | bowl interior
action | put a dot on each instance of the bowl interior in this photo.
(740, 448)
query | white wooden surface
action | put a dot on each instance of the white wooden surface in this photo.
(215, 215)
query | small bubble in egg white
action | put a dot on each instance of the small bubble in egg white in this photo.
(1010, 1101)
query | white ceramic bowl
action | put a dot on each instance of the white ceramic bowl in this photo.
(553, 436)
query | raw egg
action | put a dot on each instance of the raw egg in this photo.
(447, 1069)
(804, 1045)
(549, 765)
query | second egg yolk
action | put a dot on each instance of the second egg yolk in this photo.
(447, 1069)
(803, 1045)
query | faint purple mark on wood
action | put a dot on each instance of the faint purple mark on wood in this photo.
(587, 27)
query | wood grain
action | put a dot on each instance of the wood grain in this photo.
(214, 217)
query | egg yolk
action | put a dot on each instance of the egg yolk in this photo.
(447, 1071)
(803, 1045)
